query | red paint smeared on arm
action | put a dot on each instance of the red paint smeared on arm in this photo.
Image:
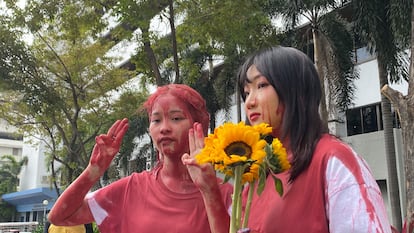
(71, 208)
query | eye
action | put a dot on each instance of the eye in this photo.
(155, 120)
(177, 117)
(262, 85)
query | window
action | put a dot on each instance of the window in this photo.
(34, 215)
(362, 55)
(353, 121)
(367, 119)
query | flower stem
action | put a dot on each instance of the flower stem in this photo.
(236, 207)
(248, 204)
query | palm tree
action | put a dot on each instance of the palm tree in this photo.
(9, 180)
(9, 173)
(384, 26)
(332, 46)
(211, 52)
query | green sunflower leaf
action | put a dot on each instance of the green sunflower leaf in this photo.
(226, 178)
(278, 185)
(262, 181)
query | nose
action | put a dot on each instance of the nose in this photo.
(165, 127)
(250, 101)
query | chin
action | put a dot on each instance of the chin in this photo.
(256, 122)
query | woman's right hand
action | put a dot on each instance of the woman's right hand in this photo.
(106, 147)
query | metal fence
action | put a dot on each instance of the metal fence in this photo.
(18, 227)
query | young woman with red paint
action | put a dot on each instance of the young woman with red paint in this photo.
(329, 188)
(164, 199)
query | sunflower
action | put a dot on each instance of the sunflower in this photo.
(246, 154)
(233, 145)
(263, 128)
(280, 153)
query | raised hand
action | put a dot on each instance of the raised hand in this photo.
(106, 147)
(203, 176)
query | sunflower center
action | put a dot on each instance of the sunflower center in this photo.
(238, 148)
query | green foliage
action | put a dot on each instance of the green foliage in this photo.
(6, 212)
(128, 106)
(59, 86)
(15, 60)
(9, 173)
(385, 27)
(9, 180)
(334, 35)
(340, 64)
(62, 91)
(39, 228)
(210, 35)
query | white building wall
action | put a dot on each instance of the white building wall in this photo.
(34, 175)
(368, 86)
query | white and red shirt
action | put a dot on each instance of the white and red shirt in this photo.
(336, 194)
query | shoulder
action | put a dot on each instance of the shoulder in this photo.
(330, 146)
(123, 184)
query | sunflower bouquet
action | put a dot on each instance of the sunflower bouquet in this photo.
(246, 154)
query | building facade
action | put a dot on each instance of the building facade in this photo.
(34, 197)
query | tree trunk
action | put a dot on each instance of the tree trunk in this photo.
(174, 41)
(319, 68)
(405, 107)
(392, 182)
(151, 57)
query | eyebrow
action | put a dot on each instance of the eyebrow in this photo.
(254, 78)
(169, 112)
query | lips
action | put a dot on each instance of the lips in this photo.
(254, 116)
(165, 140)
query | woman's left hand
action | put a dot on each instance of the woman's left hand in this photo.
(203, 175)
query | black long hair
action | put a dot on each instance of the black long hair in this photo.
(295, 79)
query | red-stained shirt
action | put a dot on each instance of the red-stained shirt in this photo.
(336, 194)
(141, 203)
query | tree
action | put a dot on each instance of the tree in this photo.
(131, 158)
(193, 44)
(9, 180)
(383, 26)
(138, 15)
(213, 45)
(332, 47)
(60, 87)
(9, 173)
(404, 106)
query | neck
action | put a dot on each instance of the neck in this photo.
(176, 178)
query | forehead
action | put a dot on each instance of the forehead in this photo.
(253, 75)
(169, 104)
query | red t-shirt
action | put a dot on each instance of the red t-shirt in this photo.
(142, 203)
(336, 194)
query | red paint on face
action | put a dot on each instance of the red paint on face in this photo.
(170, 121)
(262, 104)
